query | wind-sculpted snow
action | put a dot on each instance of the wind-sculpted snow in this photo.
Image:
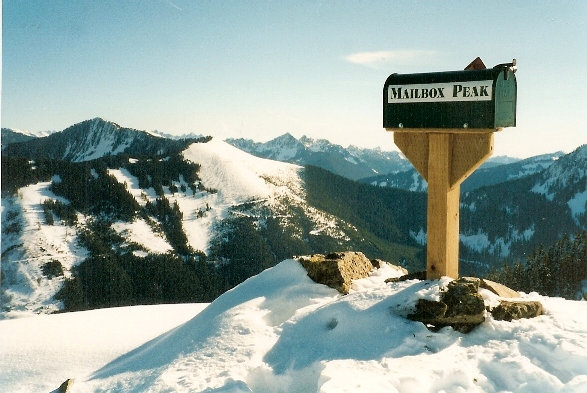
(232, 333)
(281, 332)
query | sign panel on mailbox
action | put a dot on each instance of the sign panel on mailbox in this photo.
(483, 99)
(441, 92)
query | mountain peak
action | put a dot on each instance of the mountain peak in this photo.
(99, 120)
(94, 124)
(94, 138)
(285, 137)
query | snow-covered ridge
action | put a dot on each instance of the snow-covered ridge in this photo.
(234, 176)
(239, 176)
(279, 332)
(92, 139)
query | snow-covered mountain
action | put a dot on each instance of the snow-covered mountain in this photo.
(232, 187)
(93, 139)
(527, 210)
(201, 216)
(566, 181)
(14, 136)
(493, 171)
(351, 162)
(279, 332)
(377, 167)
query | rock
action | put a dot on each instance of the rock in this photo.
(499, 289)
(408, 276)
(429, 309)
(464, 301)
(377, 263)
(507, 310)
(337, 270)
(460, 307)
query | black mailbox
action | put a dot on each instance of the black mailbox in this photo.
(470, 99)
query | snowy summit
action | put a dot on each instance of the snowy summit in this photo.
(281, 332)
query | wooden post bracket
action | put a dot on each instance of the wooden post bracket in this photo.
(444, 158)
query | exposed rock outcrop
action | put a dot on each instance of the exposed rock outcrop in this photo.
(338, 269)
(461, 307)
(508, 311)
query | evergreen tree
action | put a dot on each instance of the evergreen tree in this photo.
(556, 271)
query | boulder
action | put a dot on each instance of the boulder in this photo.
(460, 307)
(499, 289)
(338, 269)
(463, 301)
(507, 310)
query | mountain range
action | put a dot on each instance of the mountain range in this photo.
(100, 215)
(490, 173)
(381, 168)
(352, 162)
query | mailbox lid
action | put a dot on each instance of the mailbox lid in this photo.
(442, 77)
(452, 99)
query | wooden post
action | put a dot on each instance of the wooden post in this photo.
(444, 158)
(442, 251)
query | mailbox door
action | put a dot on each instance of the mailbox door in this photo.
(505, 100)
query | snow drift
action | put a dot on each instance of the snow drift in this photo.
(281, 332)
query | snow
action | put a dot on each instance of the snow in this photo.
(418, 183)
(419, 237)
(123, 176)
(577, 205)
(141, 233)
(24, 287)
(480, 241)
(542, 189)
(40, 352)
(281, 332)
(237, 175)
(100, 141)
(239, 178)
(351, 159)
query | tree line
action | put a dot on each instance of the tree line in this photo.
(554, 271)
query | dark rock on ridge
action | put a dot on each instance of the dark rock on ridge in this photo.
(461, 307)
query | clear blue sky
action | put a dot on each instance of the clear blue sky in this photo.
(258, 69)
